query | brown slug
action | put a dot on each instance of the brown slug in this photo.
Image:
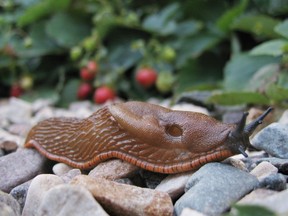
(149, 136)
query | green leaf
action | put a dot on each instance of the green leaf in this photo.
(67, 30)
(260, 25)
(272, 48)
(41, 43)
(161, 22)
(250, 210)
(194, 46)
(196, 74)
(277, 93)
(264, 77)
(282, 29)
(272, 7)
(235, 98)
(188, 28)
(42, 92)
(241, 68)
(41, 9)
(69, 92)
(225, 21)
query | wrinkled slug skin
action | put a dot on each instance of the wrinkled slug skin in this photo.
(146, 135)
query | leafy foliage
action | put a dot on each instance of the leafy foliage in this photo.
(238, 49)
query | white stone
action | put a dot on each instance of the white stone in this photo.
(37, 190)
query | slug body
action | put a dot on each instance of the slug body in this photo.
(149, 136)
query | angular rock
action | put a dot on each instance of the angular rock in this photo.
(273, 139)
(19, 167)
(269, 177)
(281, 164)
(263, 170)
(214, 188)
(113, 169)
(38, 188)
(275, 201)
(70, 200)
(9, 204)
(174, 184)
(20, 192)
(121, 199)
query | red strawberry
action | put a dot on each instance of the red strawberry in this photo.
(103, 94)
(86, 74)
(16, 90)
(84, 90)
(146, 77)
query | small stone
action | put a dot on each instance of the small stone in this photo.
(19, 167)
(42, 114)
(38, 188)
(67, 177)
(273, 139)
(174, 184)
(275, 181)
(60, 169)
(20, 192)
(69, 200)
(8, 146)
(19, 111)
(5, 136)
(40, 104)
(10, 204)
(190, 212)
(124, 181)
(20, 129)
(275, 201)
(236, 162)
(121, 199)
(284, 118)
(113, 169)
(281, 164)
(214, 188)
(263, 170)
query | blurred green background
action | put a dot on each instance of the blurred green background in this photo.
(235, 49)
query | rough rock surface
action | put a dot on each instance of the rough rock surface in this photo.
(8, 205)
(273, 139)
(121, 199)
(37, 190)
(214, 187)
(19, 167)
(69, 200)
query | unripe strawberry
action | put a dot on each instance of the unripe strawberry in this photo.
(103, 94)
(146, 77)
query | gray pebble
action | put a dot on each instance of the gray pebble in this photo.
(214, 188)
(8, 205)
(281, 164)
(273, 139)
(275, 182)
(20, 192)
(19, 167)
(70, 200)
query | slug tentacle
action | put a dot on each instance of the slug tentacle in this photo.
(149, 136)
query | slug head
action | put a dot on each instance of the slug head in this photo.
(238, 139)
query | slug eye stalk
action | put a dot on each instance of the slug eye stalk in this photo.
(239, 138)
